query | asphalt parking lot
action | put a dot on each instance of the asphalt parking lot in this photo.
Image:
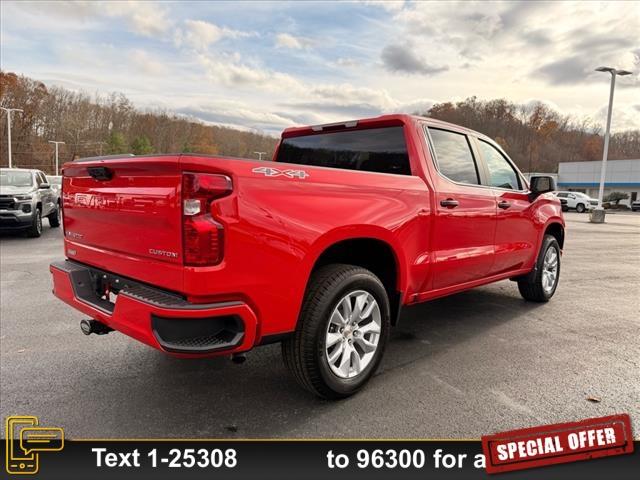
(475, 363)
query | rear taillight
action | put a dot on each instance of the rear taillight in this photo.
(203, 237)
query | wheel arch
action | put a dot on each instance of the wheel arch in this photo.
(376, 254)
(555, 229)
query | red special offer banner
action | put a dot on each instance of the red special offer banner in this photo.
(560, 443)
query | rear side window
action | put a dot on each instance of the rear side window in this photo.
(501, 172)
(454, 157)
(382, 150)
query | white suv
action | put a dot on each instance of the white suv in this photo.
(577, 201)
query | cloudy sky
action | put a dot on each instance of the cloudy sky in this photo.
(267, 65)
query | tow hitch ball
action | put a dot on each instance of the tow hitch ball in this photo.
(93, 326)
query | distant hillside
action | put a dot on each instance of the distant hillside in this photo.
(535, 136)
(105, 125)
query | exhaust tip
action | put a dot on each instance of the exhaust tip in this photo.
(85, 326)
(93, 326)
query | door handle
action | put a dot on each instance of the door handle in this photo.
(504, 204)
(449, 203)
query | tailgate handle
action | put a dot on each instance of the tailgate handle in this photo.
(100, 173)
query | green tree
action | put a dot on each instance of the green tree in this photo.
(141, 146)
(616, 197)
(116, 143)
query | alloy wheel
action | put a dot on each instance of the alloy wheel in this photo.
(550, 270)
(353, 334)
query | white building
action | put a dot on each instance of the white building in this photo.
(622, 176)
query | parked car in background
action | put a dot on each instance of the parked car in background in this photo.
(56, 183)
(635, 205)
(563, 203)
(580, 202)
(26, 197)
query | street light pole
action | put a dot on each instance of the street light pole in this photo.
(9, 110)
(56, 144)
(597, 215)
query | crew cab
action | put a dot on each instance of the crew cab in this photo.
(318, 249)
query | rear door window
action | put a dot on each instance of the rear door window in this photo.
(382, 150)
(454, 158)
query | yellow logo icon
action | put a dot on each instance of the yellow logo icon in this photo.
(25, 440)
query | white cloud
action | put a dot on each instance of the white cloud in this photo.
(144, 18)
(146, 63)
(347, 62)
(200, 35)
(388, 5)
(624, 117)
(237, 114)
(285, 40)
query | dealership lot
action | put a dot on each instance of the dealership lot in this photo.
(475, 363)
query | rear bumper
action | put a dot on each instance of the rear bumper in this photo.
(160, 319)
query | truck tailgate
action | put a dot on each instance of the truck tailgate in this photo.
(129, 206)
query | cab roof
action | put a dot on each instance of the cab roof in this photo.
(395, 119)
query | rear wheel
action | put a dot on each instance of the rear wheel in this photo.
(342, 331)
(580, 208)
(35, 230)
(541, 283)
(54, 217)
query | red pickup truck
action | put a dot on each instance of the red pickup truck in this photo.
(318, 249)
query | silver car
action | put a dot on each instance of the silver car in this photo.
(25, 198)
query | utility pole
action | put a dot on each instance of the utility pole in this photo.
(260, 154)
(597, 215)
(9, 110)
(56, 144)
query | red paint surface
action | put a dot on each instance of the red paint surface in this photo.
(275, 228)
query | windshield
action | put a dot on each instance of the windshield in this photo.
(16, 178)
(581, 195)
(54, 180)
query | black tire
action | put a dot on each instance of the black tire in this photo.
(304, 352)
(531, 286)
(54, 217)
(35, 230)
(580, 208)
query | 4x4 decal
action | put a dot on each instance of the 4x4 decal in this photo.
(276, 172)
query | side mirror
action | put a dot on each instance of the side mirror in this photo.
(44, 186)
(541, 184)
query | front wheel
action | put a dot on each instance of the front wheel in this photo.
(342, 331)
(541, 283)
(35, 230)
(580, 208)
